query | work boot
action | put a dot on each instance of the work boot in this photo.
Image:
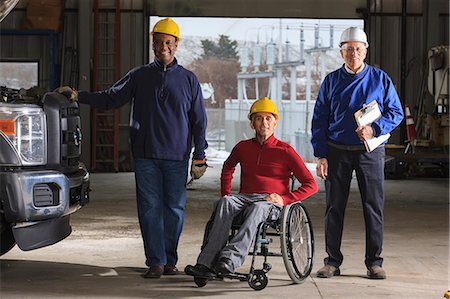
(170, 269)
(376, 272)
(328, 271)
(154, 272)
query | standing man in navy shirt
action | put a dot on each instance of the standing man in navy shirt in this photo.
(167, 117)
(338, 145)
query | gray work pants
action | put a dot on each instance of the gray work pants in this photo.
(254, 209)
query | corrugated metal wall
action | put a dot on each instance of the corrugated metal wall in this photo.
(400, 35)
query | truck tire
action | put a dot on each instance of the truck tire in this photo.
(7, 241)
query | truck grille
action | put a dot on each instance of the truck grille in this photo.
(64, 133)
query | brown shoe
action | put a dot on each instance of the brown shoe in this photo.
(154, 272)
(376, 272)
(328, 271)
(170, 270)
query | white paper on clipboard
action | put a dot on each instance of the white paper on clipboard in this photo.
(364, 117)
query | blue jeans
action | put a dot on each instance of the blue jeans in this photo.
(161, 199)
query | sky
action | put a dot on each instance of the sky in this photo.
(263, 30)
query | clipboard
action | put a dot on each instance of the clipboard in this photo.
(366, 116)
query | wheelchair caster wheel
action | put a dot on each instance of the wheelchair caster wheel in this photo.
(200, 282)
(258, 280)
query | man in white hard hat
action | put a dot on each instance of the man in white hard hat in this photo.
(338, 144)
(168, 117)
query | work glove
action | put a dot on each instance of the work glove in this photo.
(198, 168)
(68, 92)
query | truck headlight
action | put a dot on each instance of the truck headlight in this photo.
(24, 125)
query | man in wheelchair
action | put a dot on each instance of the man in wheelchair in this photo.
(267, 165)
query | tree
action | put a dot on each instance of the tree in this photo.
(224, 48)
(209, 48)
(219, 65)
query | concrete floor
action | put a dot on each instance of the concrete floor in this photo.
(103, 257)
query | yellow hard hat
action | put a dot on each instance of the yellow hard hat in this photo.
(167, 26)
(263, 105)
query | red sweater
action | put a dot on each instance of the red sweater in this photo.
(267, 169)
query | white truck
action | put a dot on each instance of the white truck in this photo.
(42, 180)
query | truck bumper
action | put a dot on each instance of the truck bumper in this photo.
(38, 204)
(41, 233)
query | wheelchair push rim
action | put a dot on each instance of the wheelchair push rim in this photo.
(297, 242)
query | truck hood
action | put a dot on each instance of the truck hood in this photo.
(6, 7)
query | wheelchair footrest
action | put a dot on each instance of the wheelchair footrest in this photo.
(235, 275)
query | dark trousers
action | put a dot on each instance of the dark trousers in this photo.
(369, 168)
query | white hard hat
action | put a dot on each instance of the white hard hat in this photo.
(353, 34)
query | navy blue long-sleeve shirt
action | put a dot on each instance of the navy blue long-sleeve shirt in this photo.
(341, 95)
(167, 114)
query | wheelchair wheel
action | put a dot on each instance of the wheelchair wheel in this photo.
(297, 242)
(258, 280)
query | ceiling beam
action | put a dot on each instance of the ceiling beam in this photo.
(327, 9)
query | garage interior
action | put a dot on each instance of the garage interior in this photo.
(103, 256)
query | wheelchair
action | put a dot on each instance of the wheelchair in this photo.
(293, 227)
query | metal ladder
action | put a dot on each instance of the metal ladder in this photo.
(106, 71)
